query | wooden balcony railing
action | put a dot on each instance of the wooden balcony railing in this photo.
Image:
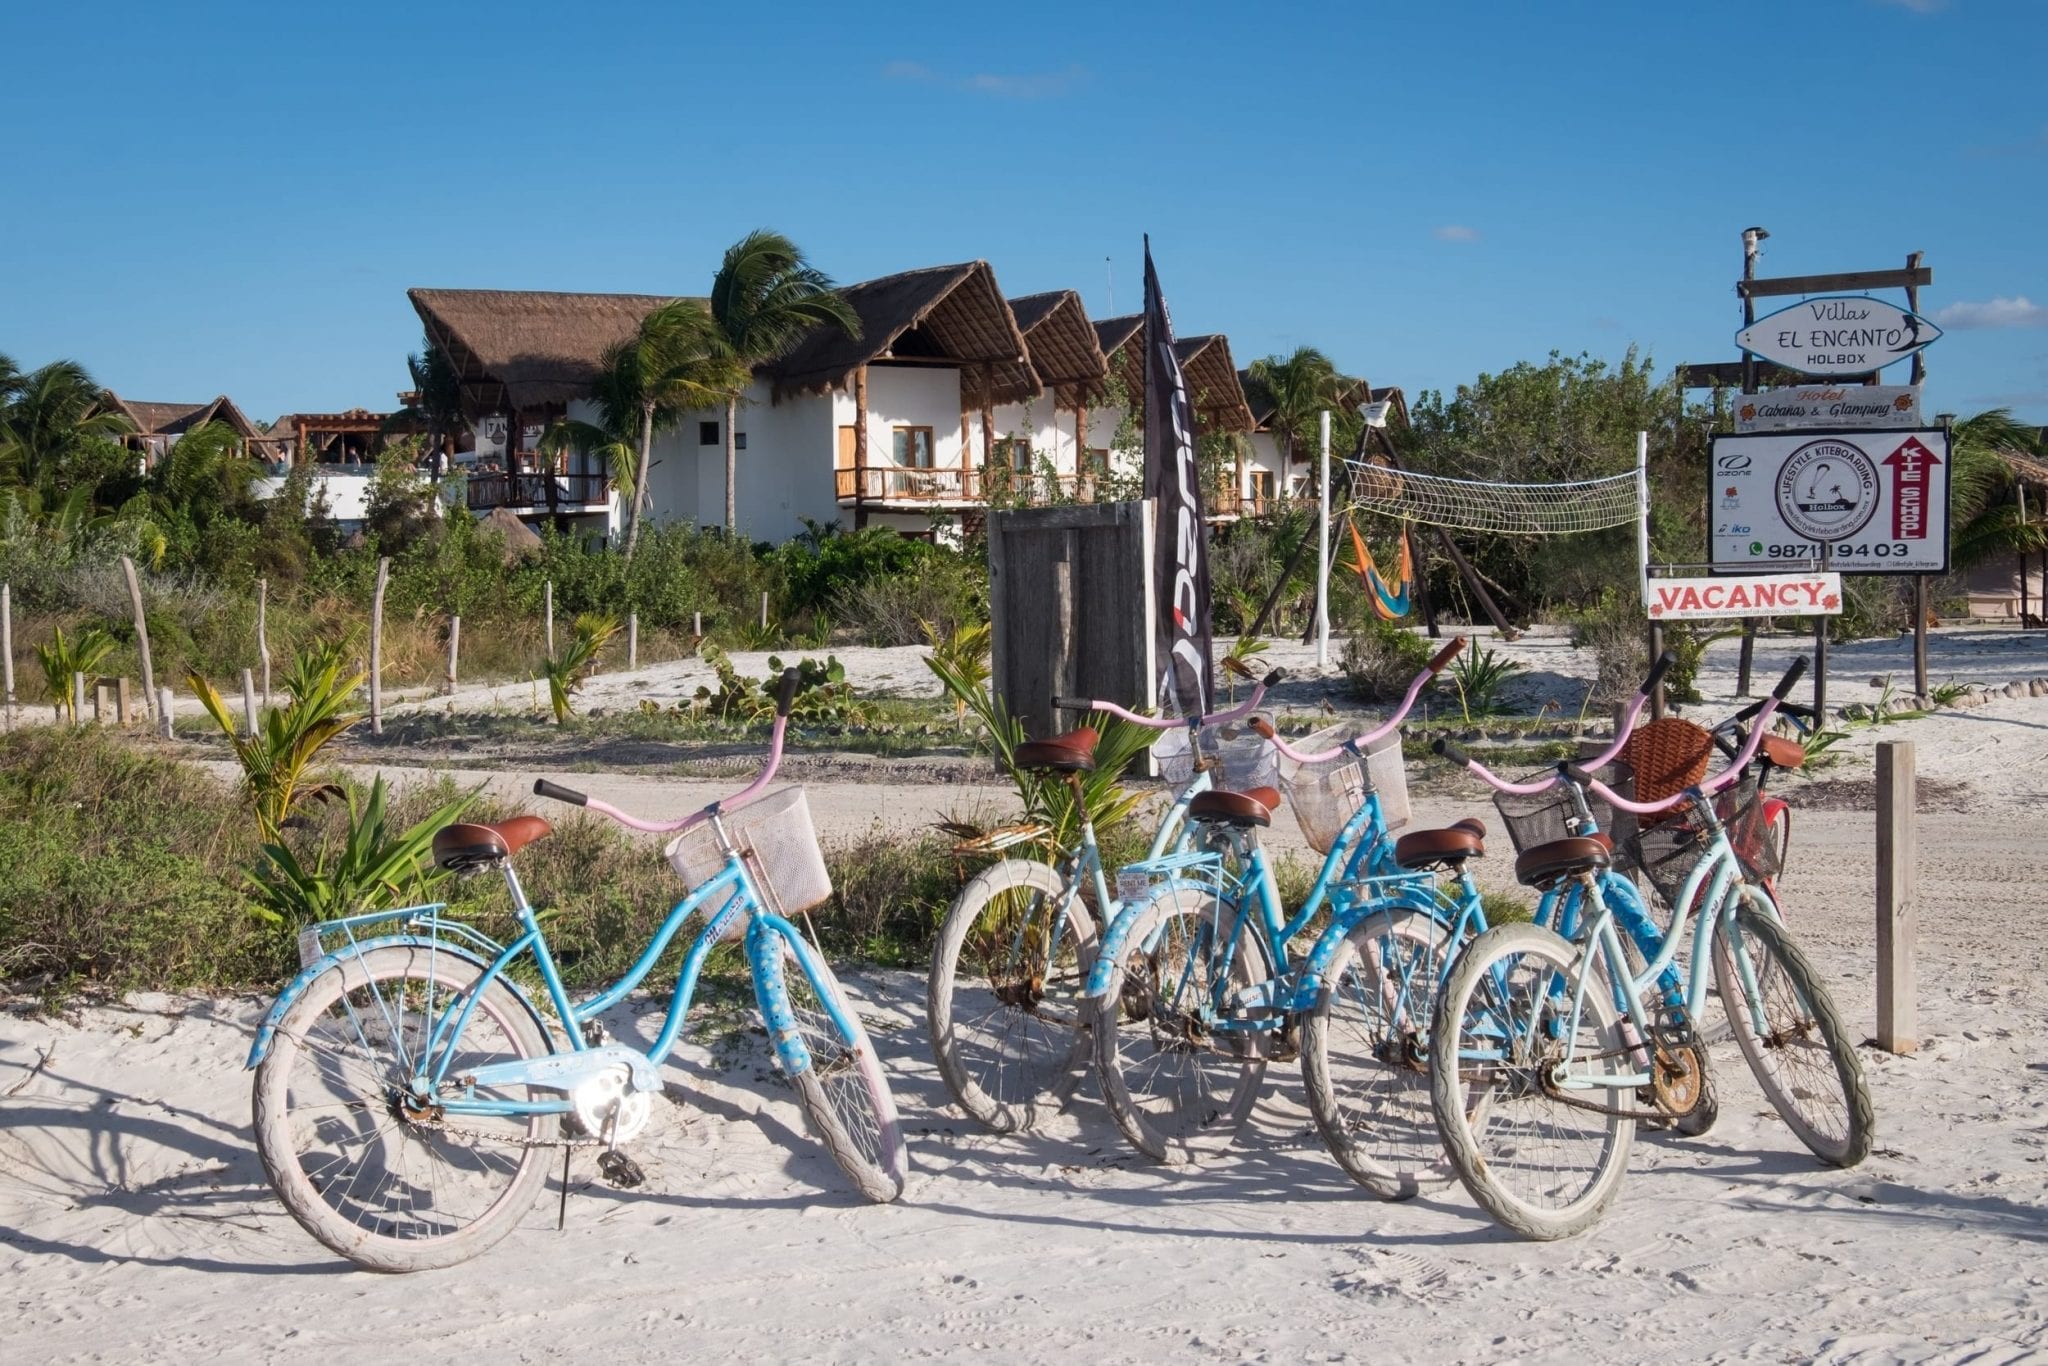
(907, 484)
(488, 491)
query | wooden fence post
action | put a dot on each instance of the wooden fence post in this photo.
(77, 698)
(7, 648)
(249, 700)
(1898, 987)
(632, 640)
(377, 647)
(149, 697)
(764, 611)
(102, 703)
(697, 624)
(124, 701)
(263, 634)
(454, 650)
(163, 713)
(548, 613)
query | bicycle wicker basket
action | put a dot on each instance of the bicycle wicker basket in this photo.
(1667, 851)
(776, 839)
(1544, 817)
(1326, 795)
(1238, 757)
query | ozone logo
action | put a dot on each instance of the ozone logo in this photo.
(1827, 490)
(1732, 464)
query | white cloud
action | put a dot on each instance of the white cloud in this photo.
(1455, 232)
(2018, 311)
(1039, 85)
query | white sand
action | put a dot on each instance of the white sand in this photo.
(135, 1224)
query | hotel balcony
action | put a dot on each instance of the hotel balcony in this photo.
(538, 493)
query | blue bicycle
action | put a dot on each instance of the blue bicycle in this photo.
(409, 1091)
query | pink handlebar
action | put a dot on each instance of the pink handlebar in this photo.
(1220, 718)
(738, 799)
(1415, 687)
(1724, 778)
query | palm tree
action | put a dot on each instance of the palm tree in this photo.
(49, 414)
(437, 401)
(677, 363)
(764, 300)
(1301, 386)
(1986, 525)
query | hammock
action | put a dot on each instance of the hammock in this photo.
(1390, 602)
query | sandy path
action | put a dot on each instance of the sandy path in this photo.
(137, 1226)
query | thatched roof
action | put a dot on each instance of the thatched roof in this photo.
(520, 539)
(1205, 360)
(2025, 468)
(175, 419)
(1062, 341)
(519, 348)
(948, 315)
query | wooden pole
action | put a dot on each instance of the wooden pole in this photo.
(697, 624)
(149, 697)
(263, 635)
(454, 650)
(632, 641)
(7, 644)
(1421, 582)
(1750, 240)
(102, 703)
(77, 698)
(1820, 657)
(1747, 658)
(764, 611)
(377, 647)
(1898, 1022)
(163, 713)
(547, 600)
(124, 701)
(1919, 580)
(860, 448)
(249, 700)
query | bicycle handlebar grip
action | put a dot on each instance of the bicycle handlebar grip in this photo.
(1446, 655)
(1272, 679)
(1657, 672)
(785, 692)
(1445, 749)
(1577, 773)
(1071, 703)
(1791, 677)
(1262, 726)
(1237, 666)
(543, 788)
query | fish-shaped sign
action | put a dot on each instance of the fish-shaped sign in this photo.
(1838, 336)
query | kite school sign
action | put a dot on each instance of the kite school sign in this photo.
(1757, 595)
(1871, 502)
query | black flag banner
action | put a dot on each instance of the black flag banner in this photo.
(1173, 480)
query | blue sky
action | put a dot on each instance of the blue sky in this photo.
(208, 198)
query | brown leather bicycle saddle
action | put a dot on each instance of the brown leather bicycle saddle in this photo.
(1252, 808)
(1073, 752)
(1546, 863)
(1426, 848)
(464, 846)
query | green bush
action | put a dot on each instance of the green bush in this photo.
(942, 591)
(1382, 658)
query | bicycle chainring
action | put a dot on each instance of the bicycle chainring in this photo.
(607, 1107)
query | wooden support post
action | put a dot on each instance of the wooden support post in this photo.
(1820, 659)
(1747, 659)
(1656, 653)
(249, 700)
(632, 640)
(102, 703)
(1421, 582)
(163, 713)
(454, 652)
(1898, 1013)
(77, 698)
(149, 697)
(7, 647)
(764, 610)
(377, 646)
(124, 702)
(263, 634)
(547, 607)
(697, 625)
(1920, 610)
(860, 448)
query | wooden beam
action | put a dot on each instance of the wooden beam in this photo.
(1828, 284)
(1898, 1023)
(1728, 374)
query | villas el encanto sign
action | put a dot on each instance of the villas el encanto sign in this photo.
(1838, 336)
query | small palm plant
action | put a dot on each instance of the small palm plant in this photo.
(62, 658)
(577, 660)
(277, 760)
(964, 654)
(1480, 676)
(374, 864)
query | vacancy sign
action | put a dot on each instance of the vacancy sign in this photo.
(1869, 502)
(1838, 337)
(1758, 595)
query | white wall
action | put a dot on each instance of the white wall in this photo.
(348, 494)
(1049, 428)
(785, 473)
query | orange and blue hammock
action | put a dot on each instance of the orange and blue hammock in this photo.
(1390, 601)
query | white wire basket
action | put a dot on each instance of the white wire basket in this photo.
(1241, 757)
(776, 839)
(1326, 795)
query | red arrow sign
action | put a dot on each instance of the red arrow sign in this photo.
(1910, 465)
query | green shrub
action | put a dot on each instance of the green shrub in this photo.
(940, 591)
(1382, 658)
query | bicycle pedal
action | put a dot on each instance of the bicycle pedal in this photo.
(619, 1170)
